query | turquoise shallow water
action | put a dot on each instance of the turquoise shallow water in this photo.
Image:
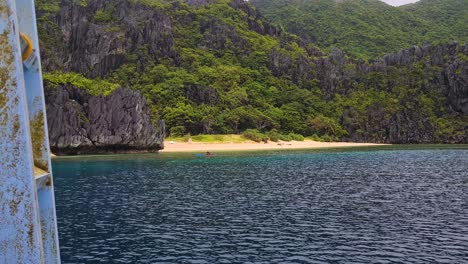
(394, 205)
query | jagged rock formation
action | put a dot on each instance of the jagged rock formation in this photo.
(81, 41)
(451, 79)
(218, 66)
(80, 123)
(446, 64)
(92, 47)
(441, 69)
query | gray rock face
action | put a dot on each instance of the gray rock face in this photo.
(134, 32)
(143, 35)
(441, 70)
(452, 80)
(95, 48)
(81, 124)
(338, 74)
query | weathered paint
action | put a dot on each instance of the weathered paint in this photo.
(20, 232)
(45, 195)
(26, 16)
(28, 227)
(34, 89)
(38, 138)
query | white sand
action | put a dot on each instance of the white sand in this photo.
(308, 144)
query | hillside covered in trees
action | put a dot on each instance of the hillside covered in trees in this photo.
(219, 66)
(369, 28)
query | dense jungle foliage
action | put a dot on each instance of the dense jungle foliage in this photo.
(219, 67)
(370, 28)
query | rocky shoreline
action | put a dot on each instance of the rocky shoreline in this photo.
(80, 123)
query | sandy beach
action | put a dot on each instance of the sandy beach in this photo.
(308, 144)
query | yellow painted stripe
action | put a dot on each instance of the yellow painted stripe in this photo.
(29, 49)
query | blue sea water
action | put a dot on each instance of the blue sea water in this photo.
(337, 206)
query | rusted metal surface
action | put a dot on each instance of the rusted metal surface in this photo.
(19, 219)
(48, 225)
(28, 228)
(26, 16)
(33, 83)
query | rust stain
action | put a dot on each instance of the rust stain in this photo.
(3, 98)
(4, 118)
(7, 55)
(16, 127)
(43, 228)
(48, 182)
(31, 224)
(6, 51)
(19, 198)
(15, 201)
(31, 234)
(38, 139)
(53, 237)
(14, 206)
(5, 9)
(48, 232)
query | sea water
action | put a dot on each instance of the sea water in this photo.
(336, 206)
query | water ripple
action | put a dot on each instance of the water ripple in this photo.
(407, 206)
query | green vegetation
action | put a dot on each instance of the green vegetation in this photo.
(102, 16)
(210, 138)
(84, 3)
(93, 86)
(48, 6)
(228, 71)
(250, 135)
(160, 4)
(450, 15)
(369, 28)
(257, 136)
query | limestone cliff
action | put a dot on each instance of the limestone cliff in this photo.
(218, 66)
(81, 124)
(441, 70)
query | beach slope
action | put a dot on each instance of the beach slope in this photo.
(307, 144)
